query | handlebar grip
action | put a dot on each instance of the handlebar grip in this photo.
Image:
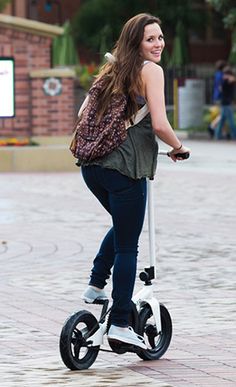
(182, 156)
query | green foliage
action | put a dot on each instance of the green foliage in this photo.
(228, 10)
(232, 55)
(98, 22)
(172, 11)
(3, 4)
(179, 55)
(64, 52)
(86, 74)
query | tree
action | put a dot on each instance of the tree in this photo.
(3, 4)
(227, 8)
(98, 22)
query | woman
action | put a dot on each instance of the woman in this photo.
(118, 180)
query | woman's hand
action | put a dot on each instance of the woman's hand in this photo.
(175, 152)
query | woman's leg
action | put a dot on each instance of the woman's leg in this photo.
(230, 118)
(125, 199)
(127, 203)
(218, 130)
(104, 260)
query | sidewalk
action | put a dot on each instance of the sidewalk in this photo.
(50, 228)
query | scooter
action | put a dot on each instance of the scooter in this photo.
(82, 334)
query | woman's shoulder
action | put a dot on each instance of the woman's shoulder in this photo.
(151, 70)
(151, 66)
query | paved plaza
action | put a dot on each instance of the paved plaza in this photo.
(50, 228)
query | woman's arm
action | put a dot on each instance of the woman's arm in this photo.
(153, 81)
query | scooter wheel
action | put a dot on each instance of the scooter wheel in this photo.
(75, 352)
(157, 342)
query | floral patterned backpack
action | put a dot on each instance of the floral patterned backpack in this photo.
(94, 139)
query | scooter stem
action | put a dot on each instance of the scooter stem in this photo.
(151, 226)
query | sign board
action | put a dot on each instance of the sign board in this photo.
(7, 87)
(52, 86)
(191, 101)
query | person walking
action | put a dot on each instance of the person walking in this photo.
(216, 98)
(227, 97)
(218, 80)
(118, 180)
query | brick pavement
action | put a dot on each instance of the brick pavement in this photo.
(50, 227)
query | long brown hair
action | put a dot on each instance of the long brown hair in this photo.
(123, 76)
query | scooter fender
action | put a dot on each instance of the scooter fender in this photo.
(155, 307)
(145, 296)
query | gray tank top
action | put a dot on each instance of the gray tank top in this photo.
(136, 157)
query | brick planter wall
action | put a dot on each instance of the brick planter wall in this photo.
(30, 52)
(37, 111)
(53, 115)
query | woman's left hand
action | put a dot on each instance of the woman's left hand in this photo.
(176, 154)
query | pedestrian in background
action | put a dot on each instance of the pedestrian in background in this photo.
(218, 79)
(216, 98)
(227, 96)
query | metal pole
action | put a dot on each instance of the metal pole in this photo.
(151, 226)
(176, 103)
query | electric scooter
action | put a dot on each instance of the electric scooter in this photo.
(82, 335)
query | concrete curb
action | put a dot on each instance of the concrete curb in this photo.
(53, 158)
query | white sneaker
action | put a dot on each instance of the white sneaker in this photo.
(126, 335)
(92, 295)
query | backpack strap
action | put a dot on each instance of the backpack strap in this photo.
(136, 118)
(83, 106)
(146, 61)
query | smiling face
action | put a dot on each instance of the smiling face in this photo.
(153, 43)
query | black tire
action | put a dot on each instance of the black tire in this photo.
(157, 343)
(74, 351)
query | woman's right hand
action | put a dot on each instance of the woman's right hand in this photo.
(175, 152)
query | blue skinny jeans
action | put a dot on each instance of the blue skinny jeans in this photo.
(125, 200)
(227, 114)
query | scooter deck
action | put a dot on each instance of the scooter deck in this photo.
(119, 347)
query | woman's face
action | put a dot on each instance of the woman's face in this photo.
(153, 43)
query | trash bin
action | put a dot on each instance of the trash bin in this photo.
(189, 101)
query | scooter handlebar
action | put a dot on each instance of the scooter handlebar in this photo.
(183, 156)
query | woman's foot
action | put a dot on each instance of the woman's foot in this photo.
(126, 336)
(93, 294)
